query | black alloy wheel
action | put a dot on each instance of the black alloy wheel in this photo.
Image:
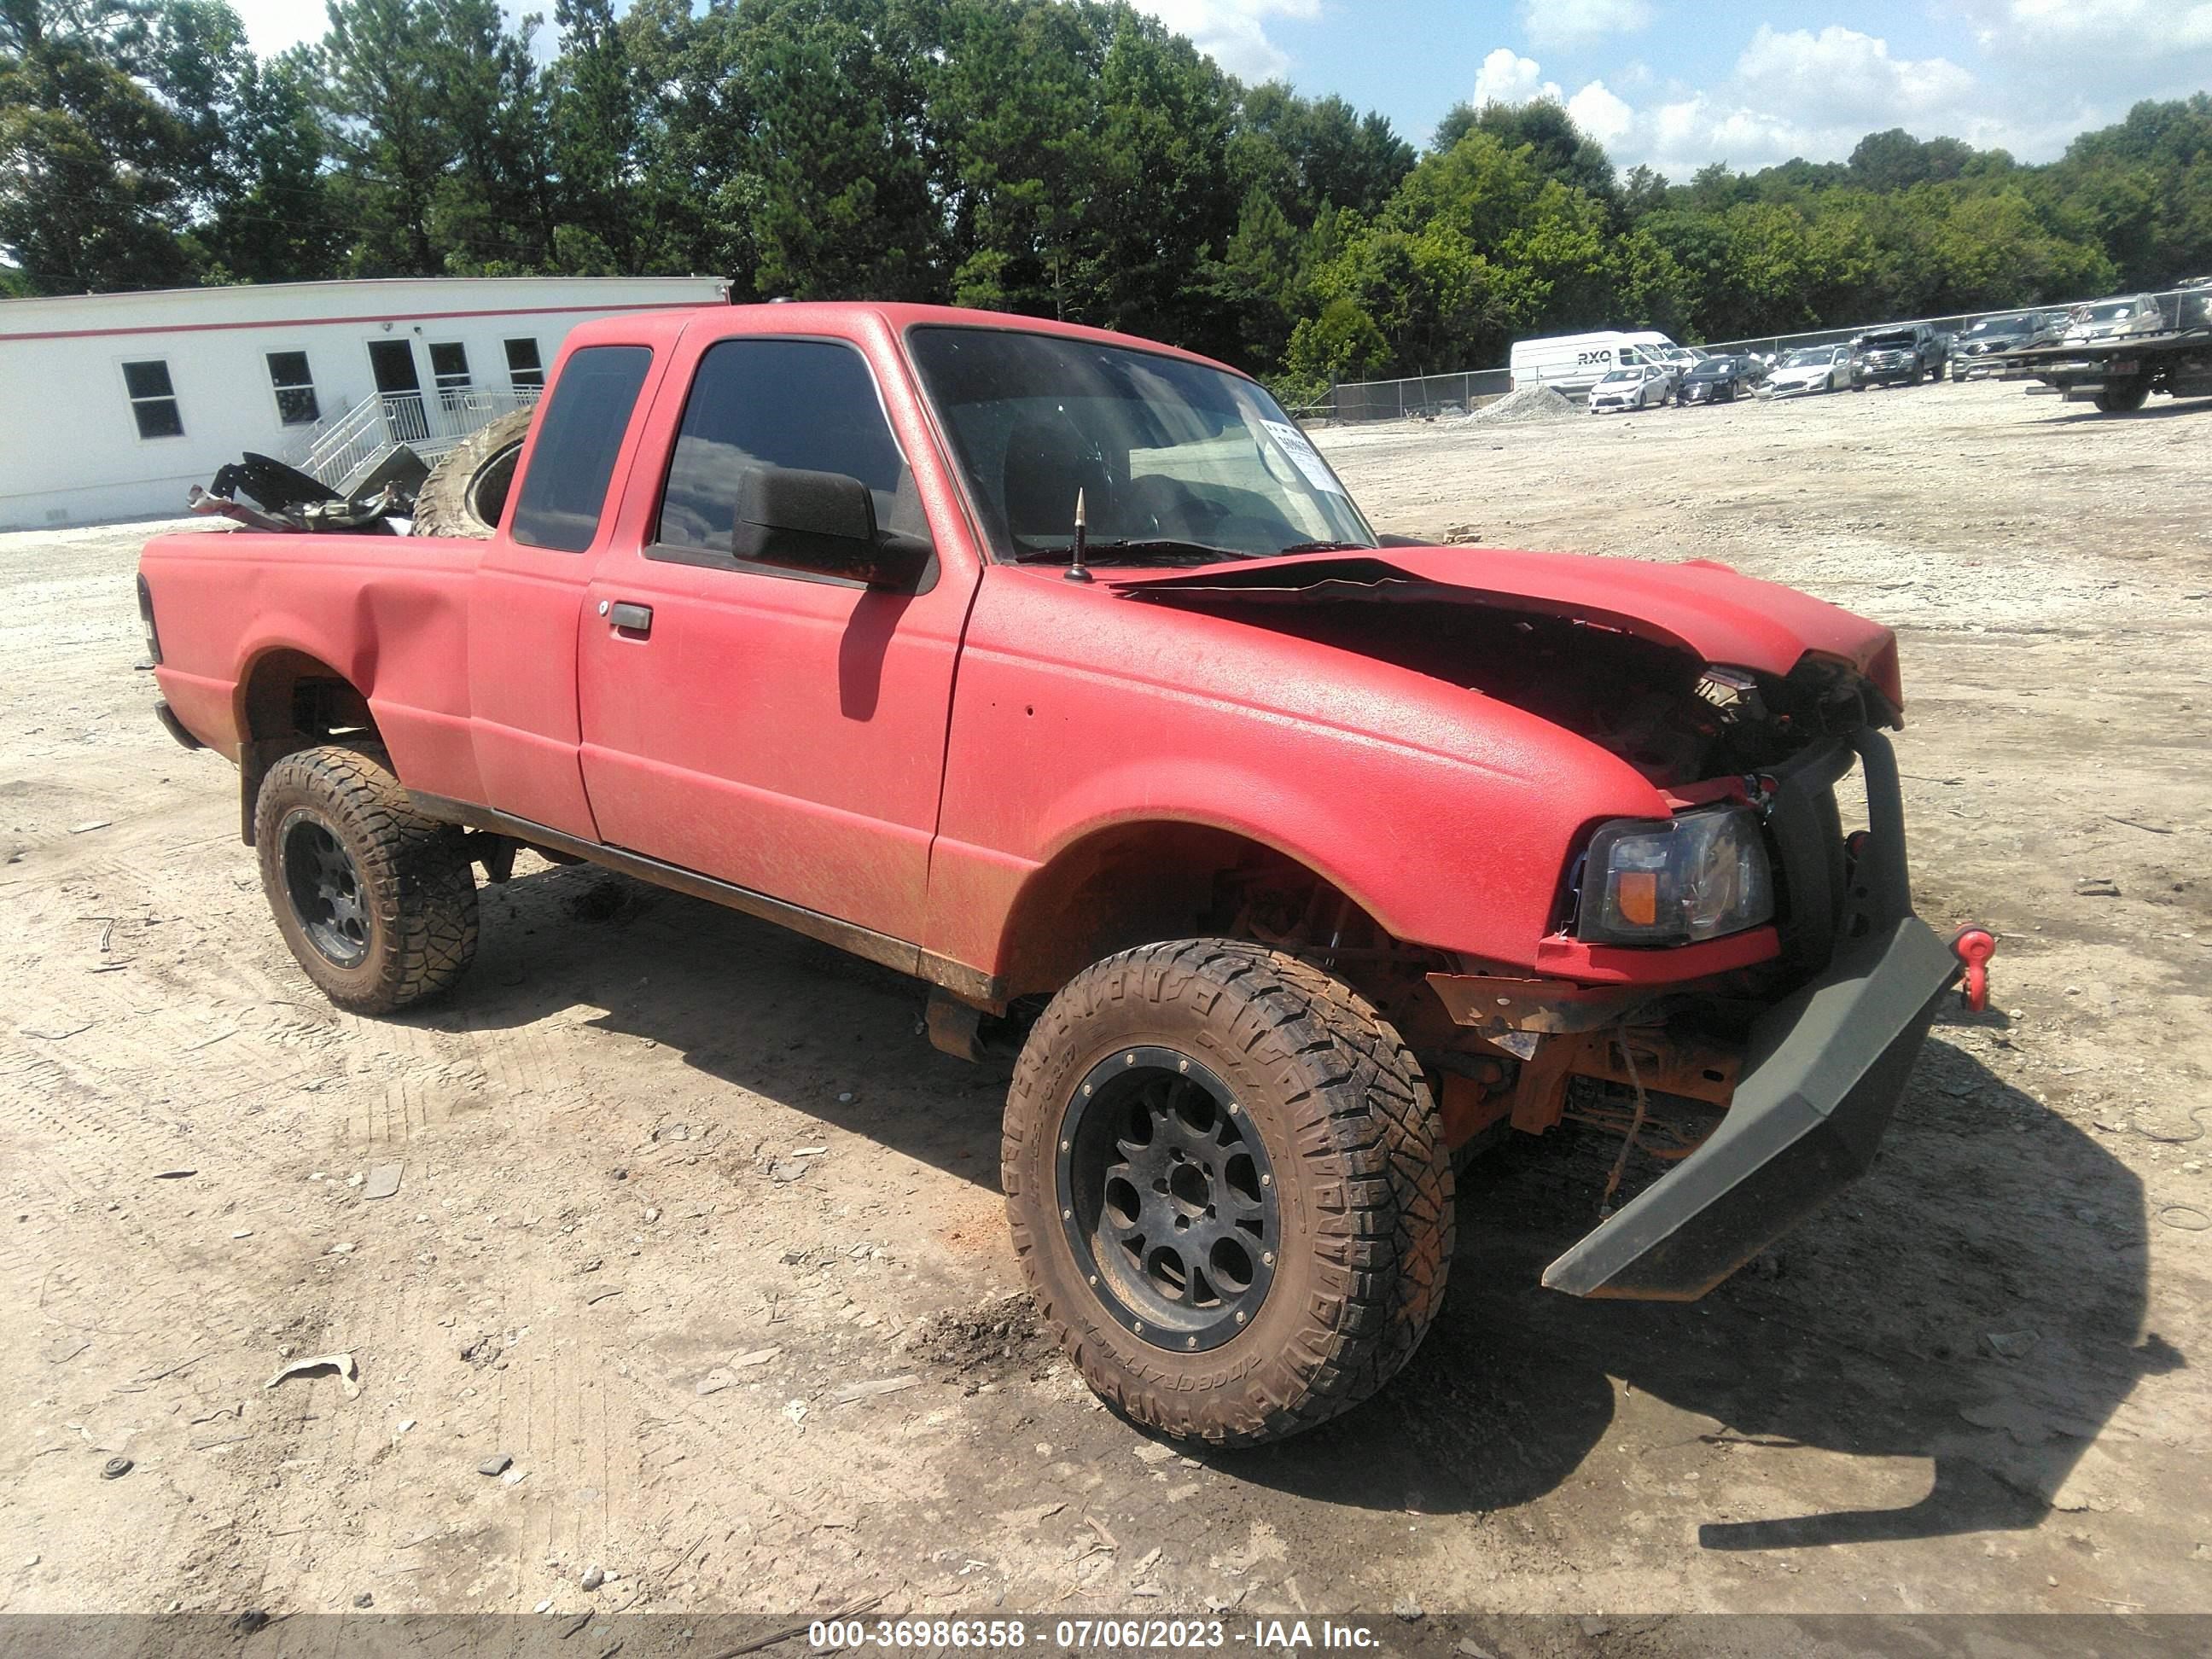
(1168, 1199)
(325, 888)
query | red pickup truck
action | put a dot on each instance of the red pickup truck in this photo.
(1058, 670)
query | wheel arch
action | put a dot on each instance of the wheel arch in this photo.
(1138, 881)
(289, 699)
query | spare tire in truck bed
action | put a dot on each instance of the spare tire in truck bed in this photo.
(466, 490)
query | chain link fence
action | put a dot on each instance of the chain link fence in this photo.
(1428, 395)
(1423, 396)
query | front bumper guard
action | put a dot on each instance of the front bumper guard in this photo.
(1823, 1071)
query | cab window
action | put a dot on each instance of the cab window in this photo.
(564, 494)
(808, 405)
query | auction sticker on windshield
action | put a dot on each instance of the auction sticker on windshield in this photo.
(1300, 449)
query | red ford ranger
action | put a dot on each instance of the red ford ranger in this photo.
(1058, 670)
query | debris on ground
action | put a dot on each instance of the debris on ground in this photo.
(1528, 405)
(340, 1363)
(2009, 1345)
(593, 1578)
(115, 1468)
(383, 1181)
(497, 1463)
(853, 1392)
(1000, 1339)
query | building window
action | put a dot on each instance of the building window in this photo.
(296, 388)
(523, 368)
(153, 399)
(449, 367)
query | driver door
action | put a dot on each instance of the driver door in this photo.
(780, 732)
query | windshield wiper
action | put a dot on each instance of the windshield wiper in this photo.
(1324, 547)
(1130, 552)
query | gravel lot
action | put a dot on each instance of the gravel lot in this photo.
(673, 1185)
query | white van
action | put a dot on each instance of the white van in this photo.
(1571, 364)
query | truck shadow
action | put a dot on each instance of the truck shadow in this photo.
(1974, 1302)
(2172, 409)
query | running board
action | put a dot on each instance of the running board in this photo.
(970, 984)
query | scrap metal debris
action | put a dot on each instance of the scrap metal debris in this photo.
(341, 1364)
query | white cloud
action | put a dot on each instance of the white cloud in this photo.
(1233, 32)
(2122, 30)
(1579, 22)
(1792, 93)
(273, 25)
(1840, 75)
(1506, 77)
(2082, 63)
(1598, 111)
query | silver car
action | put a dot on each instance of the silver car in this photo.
(2117, 319)
(1632, 388)
(1810, 369)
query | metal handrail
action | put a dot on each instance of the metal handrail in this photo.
(341, 451)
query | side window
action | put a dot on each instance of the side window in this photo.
(565, 491)
(449, 367)
(805, 403)
(295, 387)
(523, 368)
(153, 399)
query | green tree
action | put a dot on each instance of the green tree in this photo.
(94, 168)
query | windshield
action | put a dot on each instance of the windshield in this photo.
(1171, 458)
(1888, 342)
(1818, 358)
(2000, 326)
(1622, 377)
(1713, 368)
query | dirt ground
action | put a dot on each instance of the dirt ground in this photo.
(676, 1188)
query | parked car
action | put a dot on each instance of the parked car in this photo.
(1643, 387)
(2117, 319)
(1987, 336)
(1896, 357)
(1718, 380)
(1042, 664)
(1808, 369)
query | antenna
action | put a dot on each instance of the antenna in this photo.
(1076, 573)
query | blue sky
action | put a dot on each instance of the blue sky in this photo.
(1678, 83)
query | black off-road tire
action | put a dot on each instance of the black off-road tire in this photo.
(466, 490)
(1362, 1174)
(2124, 399)
(412, 912)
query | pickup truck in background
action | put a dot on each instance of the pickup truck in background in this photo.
(1058, 670)
(1898, 356)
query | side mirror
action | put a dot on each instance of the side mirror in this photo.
(823, 524)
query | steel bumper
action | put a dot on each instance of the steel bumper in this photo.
(1823, 1071)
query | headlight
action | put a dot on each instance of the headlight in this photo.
(1695, 877)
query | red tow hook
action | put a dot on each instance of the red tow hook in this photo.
(1974, 946)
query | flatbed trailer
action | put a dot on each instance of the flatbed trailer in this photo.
(2118, 375)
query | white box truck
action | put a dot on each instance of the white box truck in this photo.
(1571, 364)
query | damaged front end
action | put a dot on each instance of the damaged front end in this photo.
(1739, 991)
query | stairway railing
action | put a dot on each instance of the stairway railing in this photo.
(345, 449)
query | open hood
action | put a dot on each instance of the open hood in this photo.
(1701, 608)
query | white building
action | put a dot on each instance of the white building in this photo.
(114, 405)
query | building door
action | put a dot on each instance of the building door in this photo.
(393, 362)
